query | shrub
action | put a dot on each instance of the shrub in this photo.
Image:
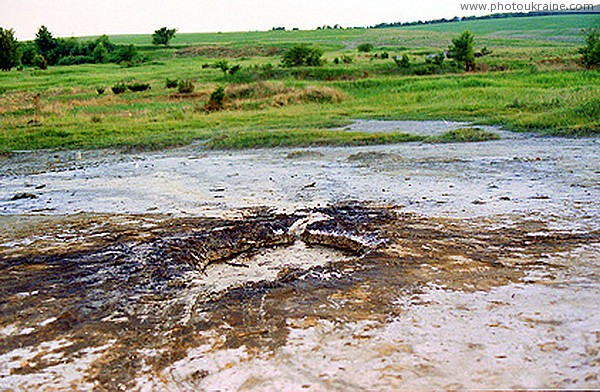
(40, 62)
(347, 59)
(462, 50)
(138, 86)
(303, 55)
(172, 83)
(591, 51)
(162, 36)
(127, 54)
(365, 47)
(186, 87)
(10, 53)
(403, 62)
(100, 90)
(385, 55)
(223, 65)
(234, 69)
(75, 60)
(216, 100)
(119, 88)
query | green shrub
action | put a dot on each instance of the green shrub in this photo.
(591, 51)
(462, 50)
(162, 36)
(40, 62)
(233, 70)
(216, 100)
(402, 62)
(119, 88)
(10, 50)
(303, 55)
(100, 90)
(365, 47)
(172, 83)
(223, 65)
(138, 86)
(75, 60)
(186, 87)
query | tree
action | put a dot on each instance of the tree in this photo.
(100, 54)
(302, 55)
(462, 50)
(163, 35)
(591, 51)
(10, 50)
(46, 44)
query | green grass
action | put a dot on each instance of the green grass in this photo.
(465, 135)
(542, 88)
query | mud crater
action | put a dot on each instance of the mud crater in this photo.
(136, 294)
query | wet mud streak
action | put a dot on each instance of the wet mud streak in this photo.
(131, 287)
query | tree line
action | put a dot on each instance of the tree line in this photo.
(46, 50)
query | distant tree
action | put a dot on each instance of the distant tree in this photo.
(127, 54)
(10, 50)
(100, 54)
(591, 51)
(163, 35)
(462, 50)
(29, 51)
(46, 44)
(302, 55)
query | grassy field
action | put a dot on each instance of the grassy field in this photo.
(531, 81)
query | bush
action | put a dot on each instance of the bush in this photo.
(186, 87)
(40, 62)
(591, 51)
(119, 88)
(127, 54)
(223, 65)
(138, 86)
(365, 48)
(385, 55)
(233, 70)
(403, 62)
(462, 50)
(100, 90)
(163, 35)
(10, 52)
(75, 60)
(172, 83)
(303, 55)
(216, 100)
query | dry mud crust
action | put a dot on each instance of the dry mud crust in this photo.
(140, 310)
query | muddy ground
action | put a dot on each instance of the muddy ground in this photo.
(403, 266)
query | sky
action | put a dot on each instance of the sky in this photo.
(66, 18)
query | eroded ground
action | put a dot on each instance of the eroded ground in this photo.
(465, 266)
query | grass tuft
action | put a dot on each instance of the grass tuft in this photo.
(463, 135)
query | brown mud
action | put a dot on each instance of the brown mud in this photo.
(114, 301)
